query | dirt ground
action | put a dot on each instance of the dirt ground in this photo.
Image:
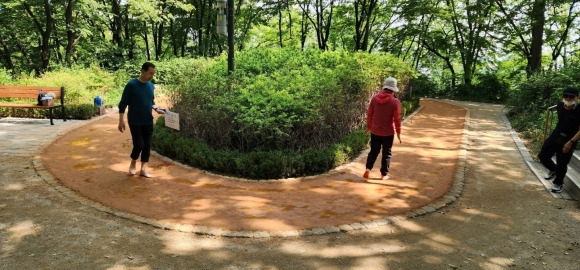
(503, 219)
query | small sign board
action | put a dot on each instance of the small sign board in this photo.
(172, 120)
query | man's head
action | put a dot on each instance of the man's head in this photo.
(570, 96)
(390, 83)
(147, 72)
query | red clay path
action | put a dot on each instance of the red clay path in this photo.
(93, 161)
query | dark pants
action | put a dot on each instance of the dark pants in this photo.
(141, 136)
(551, 147)
(378, 142)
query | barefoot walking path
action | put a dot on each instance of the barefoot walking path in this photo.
(504, 217)
(93, 162)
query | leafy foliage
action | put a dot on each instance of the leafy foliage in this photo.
(530, 100)
(82, 85)
(282, 98)
(258, 164)
(75, 111)
(284, 113)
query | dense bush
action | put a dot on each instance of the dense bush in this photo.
(282, 99)
(257, 164)
(263, 164)
(487, 87)
(74, 111)
(530, 100)
(283, 113)
(82, 85)
(423, 86)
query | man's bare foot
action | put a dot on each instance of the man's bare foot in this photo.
(145, 174)
(132, 169)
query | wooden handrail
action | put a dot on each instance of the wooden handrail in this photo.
(547, 118)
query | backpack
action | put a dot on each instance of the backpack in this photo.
(41, 94)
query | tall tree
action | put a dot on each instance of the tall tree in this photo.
(6, 54)
(364, 18)
(471, 22)
(320, 18)
(43, 23)
(561, 18)
(530, 27)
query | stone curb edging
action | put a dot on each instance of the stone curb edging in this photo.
(447, 199)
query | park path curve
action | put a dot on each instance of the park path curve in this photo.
(91, 162)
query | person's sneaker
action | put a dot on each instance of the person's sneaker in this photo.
(366, 174)
(549, 175)
(557, 188)
(385, 177)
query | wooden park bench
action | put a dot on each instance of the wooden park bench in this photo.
(30, 94)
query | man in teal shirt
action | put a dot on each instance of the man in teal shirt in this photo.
(139, 96)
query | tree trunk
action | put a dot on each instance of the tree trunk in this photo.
(70, 35)
(24, 52)
(363, 16)
(5, 51)
(280, 37)
(117, 23)
(128, 37)
(146, 39)
(322, 22)
(538, 21)
(174, 39)
(56, 46)
(158, 39)
(556, 52)
(303, 30)
(44, 33)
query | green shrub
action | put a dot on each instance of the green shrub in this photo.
(5, 77)
(424, 86)
(257, 164)
(490, 88)
(282, 99)
(80, 111)
(530, 99)
(74, 111)
(538, 92)
(409, 106)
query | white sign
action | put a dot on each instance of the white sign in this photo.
(172, 120)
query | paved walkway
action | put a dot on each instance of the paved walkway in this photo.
(504, 219)
(87, 161)
(89, 164)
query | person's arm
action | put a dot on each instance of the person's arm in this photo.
(121, 126)
(576, 137)
(158, 109)
(568, 145)
(122, 107)
(370, 112)
(397, 120)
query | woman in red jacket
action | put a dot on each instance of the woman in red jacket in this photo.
(383, 121)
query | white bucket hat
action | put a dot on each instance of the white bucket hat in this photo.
(390, 83)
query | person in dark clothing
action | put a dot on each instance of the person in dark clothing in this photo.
(563, 139)
(383, 122)
(139, 96)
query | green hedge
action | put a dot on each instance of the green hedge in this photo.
(258, 164)
(74, 111)
(280, 99)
